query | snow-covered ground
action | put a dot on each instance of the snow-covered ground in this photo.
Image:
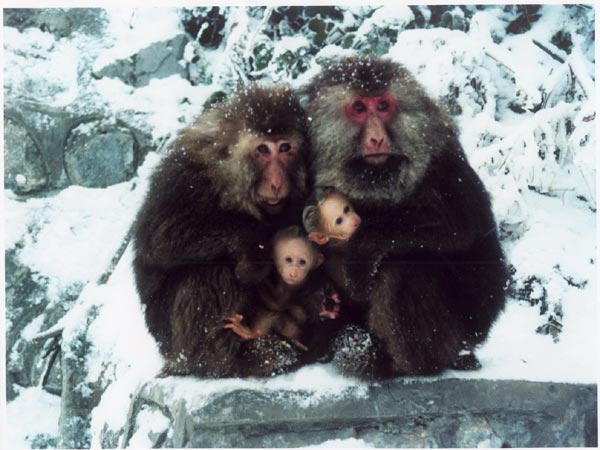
(70, 237)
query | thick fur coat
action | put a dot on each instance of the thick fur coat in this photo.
(423, 280)
(200, 219)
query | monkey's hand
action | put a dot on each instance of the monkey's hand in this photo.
(330, 307)
(235, 325)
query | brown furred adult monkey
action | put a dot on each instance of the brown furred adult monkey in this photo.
(423, 278)
(229, 181)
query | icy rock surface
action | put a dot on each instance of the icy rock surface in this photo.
(61, 22)
(444, 413)
(160, 60)
(49, 148)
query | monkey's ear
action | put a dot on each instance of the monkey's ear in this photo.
(319, 238)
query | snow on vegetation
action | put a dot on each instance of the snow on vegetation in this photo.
(38, 53)
(526, 120)
(34, 414)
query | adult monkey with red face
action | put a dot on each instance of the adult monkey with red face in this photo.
(229, 181)
(423, 279)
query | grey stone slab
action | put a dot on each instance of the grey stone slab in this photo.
(443, 413)
(159, 60)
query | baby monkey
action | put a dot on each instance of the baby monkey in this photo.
(330, 218)
(293, 295)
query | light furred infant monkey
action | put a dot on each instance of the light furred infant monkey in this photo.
(293, 295)
(330, 218)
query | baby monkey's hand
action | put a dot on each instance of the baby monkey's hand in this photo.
(330, 308)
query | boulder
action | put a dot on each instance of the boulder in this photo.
(100, 156)
(24, 166)
(50, 148)
(159, 60)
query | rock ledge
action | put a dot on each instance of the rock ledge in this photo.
(443, 413)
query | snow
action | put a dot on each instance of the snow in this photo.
(37, 52)
(59, 233)
(343, 443)
(33, 412)
(68, 238)
(167, 103)
(132, 29)
(384, 17)
(313, 384)
(151, 422)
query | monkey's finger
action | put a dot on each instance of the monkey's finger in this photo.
(300, 345)
(235, 318)
(241, 332)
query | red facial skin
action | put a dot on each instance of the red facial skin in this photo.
(372, 114)
(275, 159)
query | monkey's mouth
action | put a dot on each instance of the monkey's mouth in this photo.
(393, 159)
(382, 172)
(376, 158)
(274, 201)
(272, 205)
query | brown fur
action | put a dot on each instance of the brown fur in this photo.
(290, 312)
(419, 130)
(424, 274)
(284, 309)
(201, 219)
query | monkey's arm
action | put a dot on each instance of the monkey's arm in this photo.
(183, 222)
(234, 323)
(449, 213)
(178, 240)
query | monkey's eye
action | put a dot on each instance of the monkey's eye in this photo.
(338, 221)
(285, 147)
(383, 106)
(288, 260)
(346, 209)
(262, 149)
(359, 106)
(302, 262)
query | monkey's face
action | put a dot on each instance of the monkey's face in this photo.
(253, 149)
(338, 218)
(372, 139)
(372, 115)
(294, 260)
(274, 162)
(261, 172)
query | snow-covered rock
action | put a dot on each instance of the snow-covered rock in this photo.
(444, 413)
